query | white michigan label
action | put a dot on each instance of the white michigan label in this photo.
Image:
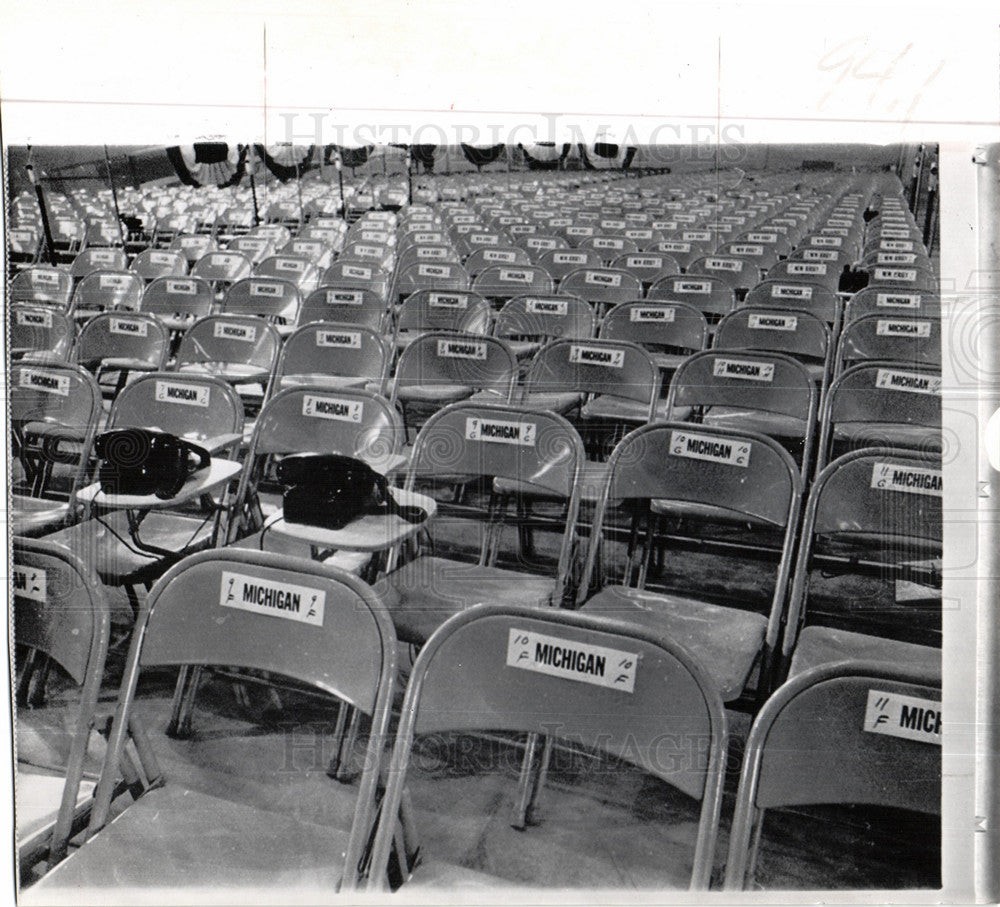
(332, 408)
(522, 433)
(571, 660)
(178, 392)
(896, 715)
(264, 596)
(28, 582)
(761, 322)
(903, 328)
(591, 355)
(129, 327)
(710, 447)
(911, 382)
(51, 384)
(348, 339)
(741, 368)
(244, 332)
(894, 477)
(456, 349)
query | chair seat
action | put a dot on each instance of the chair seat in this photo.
(592, 478)
(618, 409)
(772, 424)
(36, 516)
(668, 362)
(552, 401)
(38, 797)
(317, 379)
(452, 877)
(102, 543)
(124, 363)
(825, 645)
(177, 838)
(424, 593)
(433, 393)
(522, 349)
(725, 641)
(886, 434)
(488, 396)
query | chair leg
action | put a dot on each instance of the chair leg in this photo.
(183, 703)
(333, 769)
(540, 778)
(524, 783)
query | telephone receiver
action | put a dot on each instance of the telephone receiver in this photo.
(141, 461)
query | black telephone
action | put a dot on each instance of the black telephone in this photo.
(141, 461)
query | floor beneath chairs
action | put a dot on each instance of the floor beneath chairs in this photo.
(598, 824)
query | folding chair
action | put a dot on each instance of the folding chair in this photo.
(710, 295)
(294, 268)
(525, 323)
(349, 275)
(609, 247)
(549, 671)
(815, 299)
(498, 283)
(905, 340)
(896, 277)
(40, 333)
(669, 332)
(333, 355)
(152, 263)
(438, 368)
(345, 306)
(761, 255)
(872, 525)
(500, 256)
(192, 246)
(891, 303)
(540, 452)
(709, 485)
(317, 626)
(856, 732)
(178, 301)
(90, 260)
(222, 269)
(433, 310)
(428, 276)
(538, 245)
(821, 273)
(255, 248)
(682, 252)
(377, 254)
(104, 291)
(798, 334)
(61, 618)
(120, 344)
(562, 261)
(881, 404)
(739, 274)
(54, 412)
(24, 247)
(604, 287)
(649, 267)
(317, 251)
(441, 253)
(764, 392)
(272, 298)
(241, 349)
(41, 284)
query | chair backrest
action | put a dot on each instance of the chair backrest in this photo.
(42, 284)
(470, 360)
(102, 259)
(437, 252)
(605, 286)
(762, 255)
(127, 335)
(503, 256)
(192, 246)
(323, 348)
(503, 282)
(152, 263)
(889, 303)
(711, 295)
(613, 367)
(236, 339)
(294, 268)
(913, 341)
(436, 310)
(609, 247)
(657, 325)
(796, 333)
(60, 610)
(888, 498)
(255, 248)
(105, 290)
(352, 275)
(735, 272)
(816, 299)
(681, 252)
(608, 686)
(61, 394)
(344, 306)
(539, 244)
(265, 297)
(823, 273)
(874, 394)
(649, 267)
(40, 329)
(903, 277)
(857, 732)
(562, 261)
(428, 275)
(187, 297)
(198, 407)
(545, 317)
(222, 268)
(274, 613)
